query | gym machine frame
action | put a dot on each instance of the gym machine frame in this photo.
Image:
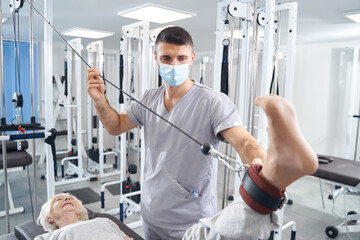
(250, 13)
(96, 48)
(140, 31)
(32, 126)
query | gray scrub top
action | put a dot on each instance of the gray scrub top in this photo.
(179, 184)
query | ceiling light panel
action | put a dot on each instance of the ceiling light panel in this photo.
(156, 14)
(355, 16)
(87, 33)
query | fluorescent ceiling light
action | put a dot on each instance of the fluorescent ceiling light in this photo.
(87, 33)
(4, 19)
(156, 13)
(355, 16)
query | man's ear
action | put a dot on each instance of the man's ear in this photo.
(155, 55)
(192, 58)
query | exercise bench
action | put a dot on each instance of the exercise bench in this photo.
(16, 160)
(346, 174)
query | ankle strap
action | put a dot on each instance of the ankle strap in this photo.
(259, 194)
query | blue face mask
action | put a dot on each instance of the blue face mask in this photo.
(174, 75)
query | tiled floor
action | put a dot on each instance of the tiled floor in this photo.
(307, 211)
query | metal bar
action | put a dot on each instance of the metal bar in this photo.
(48, 73)
(322, 195)
(231, 55)
(32, 60)
(100, 61)
(244, 87)
(33, 106)
(118, 108)
(7, 223)
(357, 139)
(276, 61)
(21, 136)
(89, 108)
(127, 71)
(145, 83)
(2, 68)
(291, 50)
(267, 67)
(69, 59)
(252, 72)
(140, 56)
(226, 172)
(79, 119)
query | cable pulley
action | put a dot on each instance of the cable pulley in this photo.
(17, 100)
(15, 5)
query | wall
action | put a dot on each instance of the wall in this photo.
(321, 97)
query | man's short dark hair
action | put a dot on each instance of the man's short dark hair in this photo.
(175, 35)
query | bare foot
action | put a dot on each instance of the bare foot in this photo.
(289, 156)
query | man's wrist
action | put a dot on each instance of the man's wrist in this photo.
(101, 103)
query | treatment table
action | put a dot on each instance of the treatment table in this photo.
(344, 173)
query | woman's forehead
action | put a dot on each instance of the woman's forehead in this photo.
(60, 196)
(63, 195)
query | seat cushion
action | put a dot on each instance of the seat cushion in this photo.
(12, 146)
(16, 159)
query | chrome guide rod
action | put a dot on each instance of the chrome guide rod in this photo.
(33, 105)
(276, 62)
(252, 72)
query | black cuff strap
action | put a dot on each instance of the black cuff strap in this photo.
(260, 196)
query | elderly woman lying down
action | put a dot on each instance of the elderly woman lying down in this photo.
(64, 217)
(289, 157)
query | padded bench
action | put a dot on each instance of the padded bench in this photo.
(15, 159)
(30, 230)
(345, 173)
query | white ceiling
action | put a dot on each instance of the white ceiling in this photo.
(318, 20)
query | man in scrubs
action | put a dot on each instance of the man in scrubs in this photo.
(179, 185)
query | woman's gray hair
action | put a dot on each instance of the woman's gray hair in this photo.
(46, 208)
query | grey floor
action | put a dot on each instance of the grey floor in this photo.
(307, 210)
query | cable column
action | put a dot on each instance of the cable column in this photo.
(3, 122)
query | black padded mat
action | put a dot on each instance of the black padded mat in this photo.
(340, 170)
(86, 195)
(114, 189)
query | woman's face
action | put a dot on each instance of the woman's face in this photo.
(63, 204)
